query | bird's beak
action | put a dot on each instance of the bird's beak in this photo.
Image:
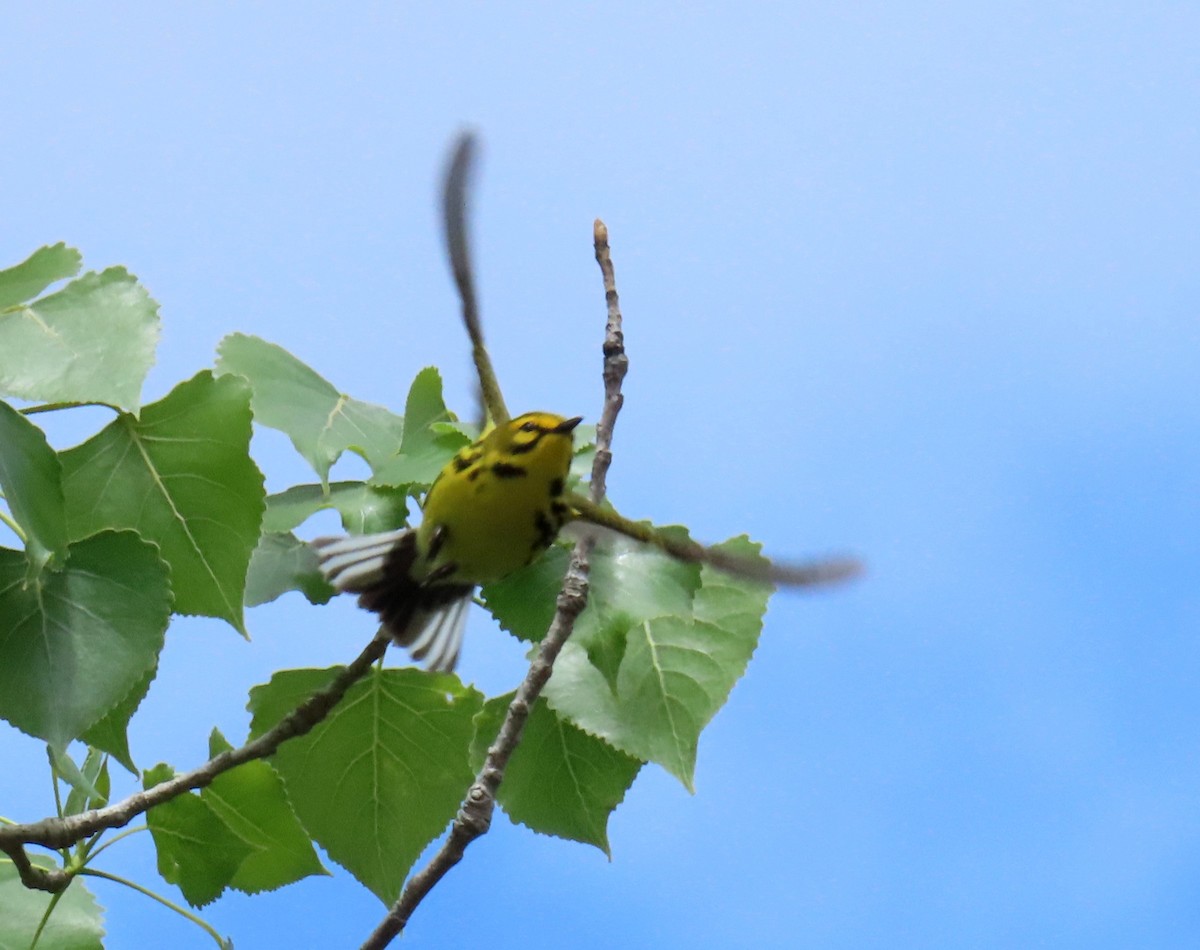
(565, 427)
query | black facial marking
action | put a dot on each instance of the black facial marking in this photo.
(556, 487)
(520, 448)
(473, 474)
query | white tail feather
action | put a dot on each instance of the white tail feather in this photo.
(354, 562)
(358, 564)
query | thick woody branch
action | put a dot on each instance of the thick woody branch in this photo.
(475, 815)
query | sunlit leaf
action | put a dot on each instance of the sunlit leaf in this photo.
(111, 732)
(181, 476)
(428, 443)
(31, 479)
(383, 774)
(292, 397)
(74, 642)
(364, 508)
(523, 602)
(560, 780)
(280, 563)
(93, 791)
(628, 583)
(196, 849)
(42, 268)
(77, 922)
(94, 340)
(250, 800)
(674, 674)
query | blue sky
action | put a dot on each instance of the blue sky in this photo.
(917, 281)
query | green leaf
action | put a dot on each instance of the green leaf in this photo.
(365, 509)
(196, 850)
(93, 791)
(65, 769)
(629, 583)
(43, 267)
(585, 455)
(674, 674)
(383, 774)
(731, 602)
(180, 475)
(74, 642)
(92, 341)
(524, 602)
(468, 430)
(31, 479)
(280, 563)
(560, 780)
(250, 800)
(290, 396)
(111, 733)
(428, 443)
(76, 923)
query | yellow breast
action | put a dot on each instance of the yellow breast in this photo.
(498, 504)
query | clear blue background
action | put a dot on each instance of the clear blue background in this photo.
(917, 281)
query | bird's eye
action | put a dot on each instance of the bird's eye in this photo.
(529, 426)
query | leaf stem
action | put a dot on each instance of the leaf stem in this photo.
(55, 406)
(54, 777)
(13, 526)
(171, 905)
(37, 934)
(90, 855)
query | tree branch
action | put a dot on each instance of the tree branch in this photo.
(807, 574)
(475, 815)
(615, 364)
(63, 832)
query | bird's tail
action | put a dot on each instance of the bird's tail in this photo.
(383, 569)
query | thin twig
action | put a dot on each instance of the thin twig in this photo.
(615, 363)
(454, 219)
(56, 406)
(155, 896)
(63, 832)
(475, 816)
(806, 574)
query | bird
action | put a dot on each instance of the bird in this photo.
(499, 503)
(494, 507)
